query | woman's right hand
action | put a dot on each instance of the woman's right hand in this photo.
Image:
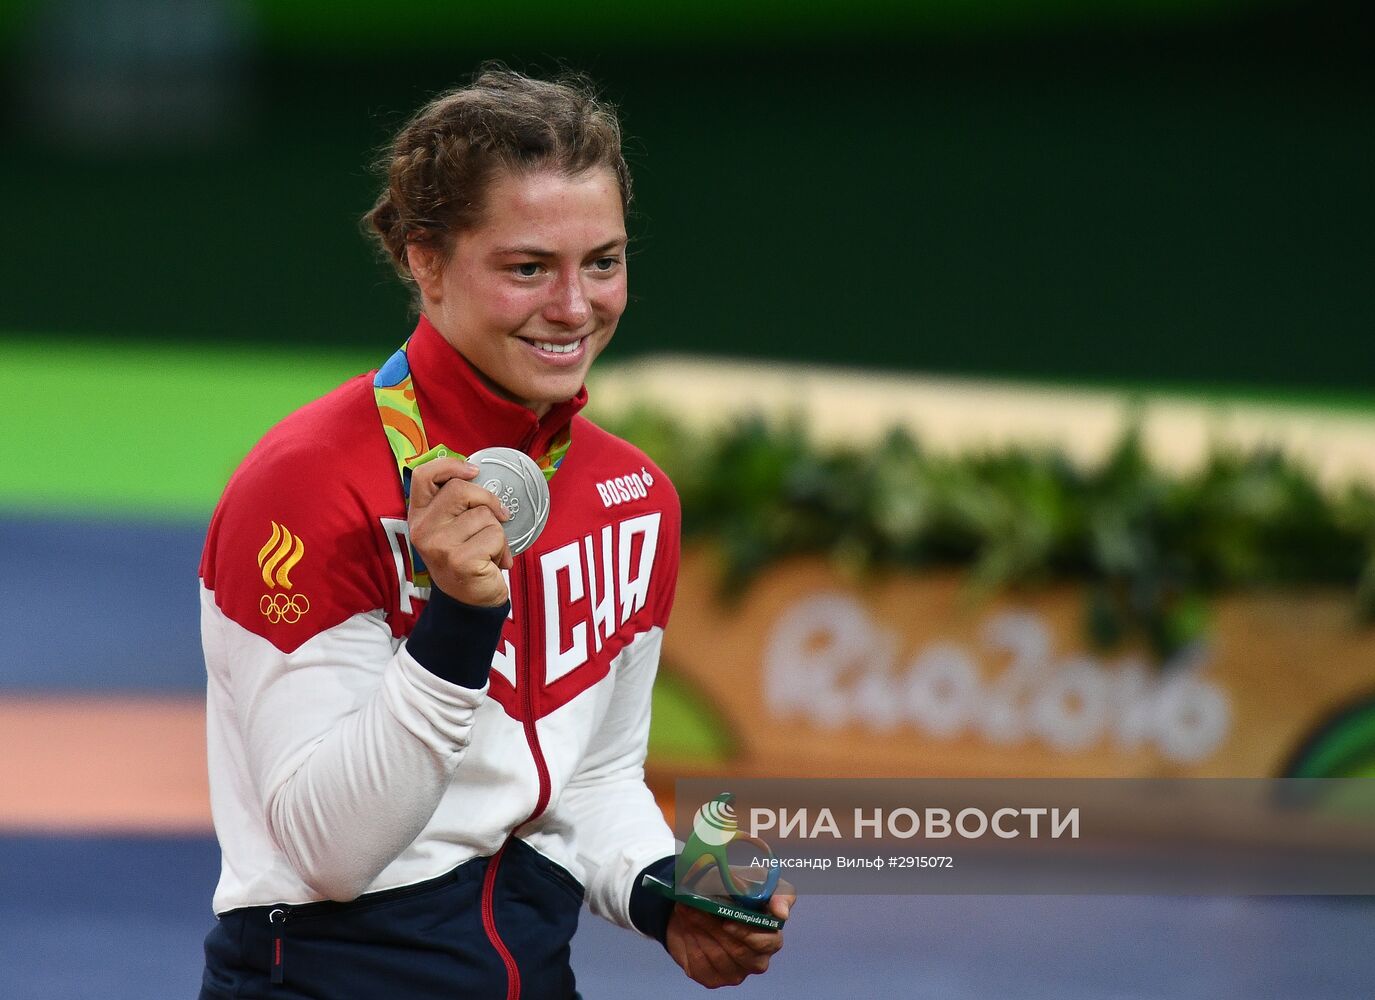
(456, 527)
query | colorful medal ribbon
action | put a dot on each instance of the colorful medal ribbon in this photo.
(399, 409)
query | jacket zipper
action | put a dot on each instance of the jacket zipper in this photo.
(525, 667)
(531, 732)
(489, 924)
(525, 682)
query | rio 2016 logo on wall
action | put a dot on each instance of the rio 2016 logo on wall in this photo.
(828, 650)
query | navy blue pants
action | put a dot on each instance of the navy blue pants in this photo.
(419, 942)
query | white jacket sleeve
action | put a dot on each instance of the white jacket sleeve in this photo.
(618, 827)
(349, 744)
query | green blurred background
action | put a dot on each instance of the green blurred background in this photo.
(1148, 191)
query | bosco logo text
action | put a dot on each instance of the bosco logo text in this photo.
(624, 489)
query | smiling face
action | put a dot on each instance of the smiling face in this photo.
(532, 294)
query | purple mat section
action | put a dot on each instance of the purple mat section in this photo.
(116, 918)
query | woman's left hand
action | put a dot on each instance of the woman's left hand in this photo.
(717, 952)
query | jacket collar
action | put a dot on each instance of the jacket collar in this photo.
(462, 411)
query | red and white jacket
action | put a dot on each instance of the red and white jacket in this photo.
(338, 763)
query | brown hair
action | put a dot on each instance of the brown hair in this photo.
(440, 164)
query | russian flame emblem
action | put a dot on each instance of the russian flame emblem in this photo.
(279, 557)
(276, 560)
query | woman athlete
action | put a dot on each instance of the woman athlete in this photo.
(426, 752)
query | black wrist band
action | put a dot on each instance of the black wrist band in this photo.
(649, 911)
(456, 641)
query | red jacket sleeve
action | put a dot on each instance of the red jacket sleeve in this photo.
(292, 550)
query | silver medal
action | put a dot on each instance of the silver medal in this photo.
(514, 479)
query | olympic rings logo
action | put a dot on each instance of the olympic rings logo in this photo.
(283, 608)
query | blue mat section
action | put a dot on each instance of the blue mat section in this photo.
(95, 605)
(120, 919)
(123, 919)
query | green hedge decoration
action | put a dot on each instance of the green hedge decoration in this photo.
(1151, 547)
